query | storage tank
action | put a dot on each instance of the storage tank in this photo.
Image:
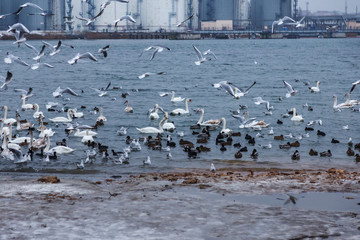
(5, 8)
(263, 13)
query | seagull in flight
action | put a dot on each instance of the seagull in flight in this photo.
(90, 20)
(25, 93)
(105, 4)
(102, 92)
(290, 89)
(148, 74)
(126, 17)
(54, 49)
(82, 56)
(104, 50)
(232, 89)
(179, 24)
(207, 52)
(11, 58)
(18, 29)
(157, 48)
(29, 4)
(354, 85)
(59, 92)
(37, 65)
(6, 80)
(200, 56)
(240, 92)
(39, 54)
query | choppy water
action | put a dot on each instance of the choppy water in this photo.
(333, 62)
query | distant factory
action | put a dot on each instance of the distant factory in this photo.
(149, 15)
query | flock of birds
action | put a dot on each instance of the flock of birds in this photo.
(22, 148)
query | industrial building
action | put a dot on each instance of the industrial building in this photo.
(150, 15)
(52, 21)
(224, 14)
(264, 13)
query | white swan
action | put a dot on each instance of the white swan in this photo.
(315, 89)
(212, 122)
(6, 153)
(296, 118)
(87, 137)
(77, 114)
(84, 133)
(168, 126)
(340, 105)
(57, 149)
(224, 130)
(180, 111)
(63, 119)
(153, 129)
(6, 120)
(17, 140)
(101, 118)
(176, 99)
(43, 132)
(26, 106)
(23, 126)
(351, 102)
(6, 143)
(37, 113)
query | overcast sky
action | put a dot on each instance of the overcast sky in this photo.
(330, 5)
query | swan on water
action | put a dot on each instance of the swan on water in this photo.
(153, 129)
(295, 117)
(180, 111)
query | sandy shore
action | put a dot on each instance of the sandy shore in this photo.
(198, 204)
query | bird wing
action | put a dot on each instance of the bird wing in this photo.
(33, 5)
(127, 17)
(49, 45)
(69, 90)
(210, 52)
(8, 76)
(58, 45)
(33, 48)
(47, 65)
(88, 55)
(178, 25)
(18, 60)
(198, 53)
(250, 86)
(82, 19)
(96, 90)
(354, 85)
(228, 88)
(98, 15)
(154, 53)
(288, 87)
(108, 86)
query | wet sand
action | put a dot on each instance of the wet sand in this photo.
(186, 204)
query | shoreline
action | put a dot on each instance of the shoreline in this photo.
(226, 204)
